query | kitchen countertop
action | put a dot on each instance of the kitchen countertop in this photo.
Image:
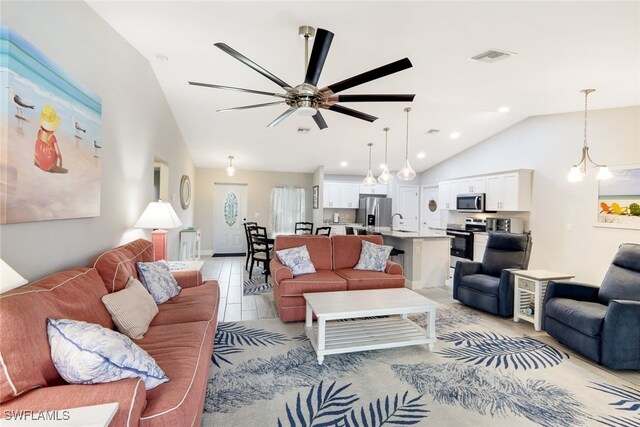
(386, 231)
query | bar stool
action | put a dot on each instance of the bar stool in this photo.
(397, 253)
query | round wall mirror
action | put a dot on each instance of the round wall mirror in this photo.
(185, 191)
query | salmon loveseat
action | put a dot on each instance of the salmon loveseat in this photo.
(180, 339)
(333, 259)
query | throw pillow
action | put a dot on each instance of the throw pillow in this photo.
(132, 309)
(373, 257)
(87, 353)
(297, 259)
(158, 280)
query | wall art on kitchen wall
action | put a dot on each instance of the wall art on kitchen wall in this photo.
(50, 147)
(619, 198)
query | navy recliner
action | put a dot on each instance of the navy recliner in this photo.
(489, 285)
(601, 323)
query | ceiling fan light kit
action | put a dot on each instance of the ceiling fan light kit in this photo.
(307, 99)
(582, 168)
(407, 173)
(385, 175)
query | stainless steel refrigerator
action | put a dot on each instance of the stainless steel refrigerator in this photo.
(374, 211)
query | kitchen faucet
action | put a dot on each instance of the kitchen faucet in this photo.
(393, 216)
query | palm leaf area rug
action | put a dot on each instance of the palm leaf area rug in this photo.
(265, 373)
(256, 286)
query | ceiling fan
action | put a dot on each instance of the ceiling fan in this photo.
(307, 99)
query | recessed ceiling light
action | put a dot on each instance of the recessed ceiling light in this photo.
(381, 165)
(344, 164)
(503, 110)
(421, 155)
(454, 135)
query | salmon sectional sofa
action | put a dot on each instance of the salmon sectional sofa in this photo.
(180, 339)
(333, 259)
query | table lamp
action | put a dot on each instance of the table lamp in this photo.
(159, 216)
(9, 278)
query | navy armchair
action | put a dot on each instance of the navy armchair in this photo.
(601, 323)
(489, 285)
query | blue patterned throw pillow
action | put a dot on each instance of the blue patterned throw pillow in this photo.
(297, 259)
(373, 257)
(86, 353)
(158, 280)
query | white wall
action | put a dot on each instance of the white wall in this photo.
(137, 125)
(318, 179)
(563, 214)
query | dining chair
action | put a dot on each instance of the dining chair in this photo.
(323, 231)
(261, 249)
(348, 231)
(249, 249)
(304, 228)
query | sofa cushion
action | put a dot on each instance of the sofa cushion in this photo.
(319, 248)
(622, 280)
(583, 316)
(183, 351)
(297, 260)
(481, 283)
(158, 280)
(364, 279)
(86, 353)
(71, 294)
(346, 249)
(132, 309)
(117, 265)
(373, 257)
(321, 281)
(195, 304)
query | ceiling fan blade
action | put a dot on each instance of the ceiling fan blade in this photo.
(373, 98)
(281, 117)
(352, 113)
(246, 61)
(368, 76)
(321, 46)
(246, 107)
(317, 117)
(239, 89)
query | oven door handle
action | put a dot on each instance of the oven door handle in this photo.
(459, 233)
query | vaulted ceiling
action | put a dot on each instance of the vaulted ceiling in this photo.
(561, 47)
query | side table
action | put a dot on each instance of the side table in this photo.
(529, 289)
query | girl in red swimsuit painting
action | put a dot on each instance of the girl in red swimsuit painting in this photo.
(47, 155)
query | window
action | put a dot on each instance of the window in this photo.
(287, 208)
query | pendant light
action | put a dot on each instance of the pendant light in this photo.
(407, 173)
(231, 171)
(385, 175)
(369, 179)
(580, 170)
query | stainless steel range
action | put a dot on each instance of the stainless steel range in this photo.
(462, 242)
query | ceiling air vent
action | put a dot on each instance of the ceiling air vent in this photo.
(433, 131)
(304, 130)
(492, 55)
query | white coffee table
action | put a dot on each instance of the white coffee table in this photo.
(330, 336)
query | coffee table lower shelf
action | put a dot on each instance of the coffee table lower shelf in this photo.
(367, 334)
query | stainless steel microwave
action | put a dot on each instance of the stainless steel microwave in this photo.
(470, 202)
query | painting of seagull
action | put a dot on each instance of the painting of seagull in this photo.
(96, 147)
(19, 103)
(77, 127)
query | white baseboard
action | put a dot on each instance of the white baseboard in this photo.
(206, 252)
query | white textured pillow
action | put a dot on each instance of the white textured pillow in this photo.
(158, 280)
(132, 309)
(373, 257)
(297, 259)
(86, 353)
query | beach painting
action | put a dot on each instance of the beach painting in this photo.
(50, 146)
(619, 198)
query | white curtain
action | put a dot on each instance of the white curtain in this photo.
(287, 208)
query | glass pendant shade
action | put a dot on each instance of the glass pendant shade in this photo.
(580, 170)
(385, 175)
(231, 171)
(369, 179)
(407, 173)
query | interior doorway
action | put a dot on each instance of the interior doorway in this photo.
(408, 207)
(430, 212)
(229, 212)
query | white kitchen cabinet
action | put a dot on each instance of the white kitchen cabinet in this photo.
(377, 189)
(349, 196)
(331, 194)
(509, 191)
(479, 245)
(472, 185)
(447, 193)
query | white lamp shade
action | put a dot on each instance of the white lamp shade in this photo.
(158, 215)
(9, 278)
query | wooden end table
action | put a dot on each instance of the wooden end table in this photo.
(331, 336)
(529, 289)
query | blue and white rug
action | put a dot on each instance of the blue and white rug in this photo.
(264, 372)
(256, 286)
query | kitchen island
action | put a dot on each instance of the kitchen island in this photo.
(426, 255)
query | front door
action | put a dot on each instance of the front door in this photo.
(229, 212)
(430, 212)
(408, 207)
